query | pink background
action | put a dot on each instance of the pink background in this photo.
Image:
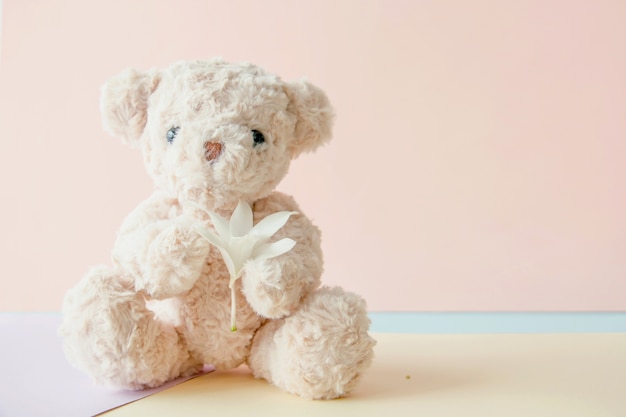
(479, 160)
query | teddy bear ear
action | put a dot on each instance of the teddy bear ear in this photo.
(124, 103)
(314, 116)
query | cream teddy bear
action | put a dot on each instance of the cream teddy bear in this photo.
(214, 133)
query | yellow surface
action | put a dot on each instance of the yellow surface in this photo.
(434, 375)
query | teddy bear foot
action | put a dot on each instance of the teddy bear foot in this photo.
(318, 352)
(109, 333)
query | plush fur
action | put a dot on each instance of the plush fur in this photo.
(163, 309)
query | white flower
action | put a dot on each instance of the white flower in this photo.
(239, 241)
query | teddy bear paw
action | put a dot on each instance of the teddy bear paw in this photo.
(265, 289)
(174, 262)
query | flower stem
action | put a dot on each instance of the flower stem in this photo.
(233, 306)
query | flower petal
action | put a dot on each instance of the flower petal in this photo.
(221, 225)
(217, 242)
(241, 219)
(271, 224)
(272, 250)
(210, 236)
(228, 260)
(241, 250)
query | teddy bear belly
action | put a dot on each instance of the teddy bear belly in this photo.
(205, 323)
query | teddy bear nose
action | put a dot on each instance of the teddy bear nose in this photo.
(212, 150)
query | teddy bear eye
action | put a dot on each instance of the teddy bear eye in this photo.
(257, 137)
(171, 134)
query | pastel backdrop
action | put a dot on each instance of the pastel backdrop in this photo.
(478, 160)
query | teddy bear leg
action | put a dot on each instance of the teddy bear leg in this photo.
(318, 352)
(109, 333)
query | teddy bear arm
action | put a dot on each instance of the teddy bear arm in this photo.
(160, 248)
(132, 247)
(138, 230)
(275, 287)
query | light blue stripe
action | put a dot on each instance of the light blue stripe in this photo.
(465, 323)
(468, 323)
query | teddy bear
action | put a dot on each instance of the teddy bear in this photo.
(214, 134)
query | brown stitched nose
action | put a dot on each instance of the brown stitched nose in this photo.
(212, 150)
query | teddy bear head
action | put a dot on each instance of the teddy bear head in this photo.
(215, 132)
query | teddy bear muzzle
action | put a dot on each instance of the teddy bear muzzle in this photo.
(212, 150)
